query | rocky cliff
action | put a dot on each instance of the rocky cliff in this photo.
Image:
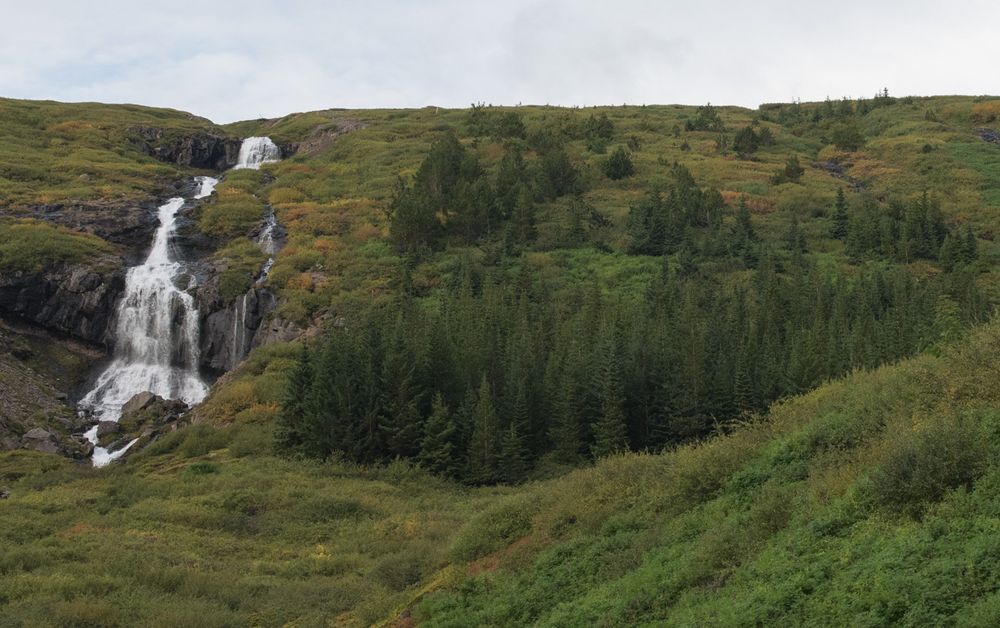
(208, 151)
(76, 300)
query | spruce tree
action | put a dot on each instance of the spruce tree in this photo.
(609, 432)
(514, 456)
(840, 219)
(292, 432)
(523, 217)
(565, 429)
(437, 448)
(619, 165)
(484, 445)
(970, 248)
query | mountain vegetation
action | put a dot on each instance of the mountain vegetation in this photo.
(614, 365)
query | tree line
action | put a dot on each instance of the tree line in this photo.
(486, 379)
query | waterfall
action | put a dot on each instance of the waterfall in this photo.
(269, 245)
(156, 326)
(266, 238)
(255, 151)
(156, 333)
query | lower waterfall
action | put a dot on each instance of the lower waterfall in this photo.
(156, 334)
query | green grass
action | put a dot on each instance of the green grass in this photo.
(33, 246)
(869, 501)
(54, 152)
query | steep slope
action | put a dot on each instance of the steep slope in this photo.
(868, 501)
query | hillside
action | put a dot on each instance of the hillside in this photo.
(868, 501)
(511, 365)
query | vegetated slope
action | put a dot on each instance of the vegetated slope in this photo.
(869, 501)
(53, 152)
(560, 283)
(636, 537)
(334, 196)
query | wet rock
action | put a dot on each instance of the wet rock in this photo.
(77, 300)
(149, 412)
(139, 402)
(106, 432)
(127, 223)
(228, 333)
(212, 151)
(78, 448)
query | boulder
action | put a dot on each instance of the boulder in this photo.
(139, 402)
(38, 433)
(107, 427)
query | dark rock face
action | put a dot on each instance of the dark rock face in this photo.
(201, 150)
(127, 224)
(76, 300)
(228, 333)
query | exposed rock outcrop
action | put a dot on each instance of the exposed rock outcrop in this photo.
(144, 418)
(78, 300)
(200, 150)
(229, 332)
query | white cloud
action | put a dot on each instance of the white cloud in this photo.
(228, 60)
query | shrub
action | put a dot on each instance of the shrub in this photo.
(493, 529)
(619, 165)
(847, 136)
(925, 464)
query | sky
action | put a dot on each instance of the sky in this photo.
(231, 61)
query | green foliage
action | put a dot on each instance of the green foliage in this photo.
(619, 165)
(791, 173)
(32, 246)
(923, 465)
(847, 136)
(706, 119)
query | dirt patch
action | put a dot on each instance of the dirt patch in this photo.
(322, 137)
(496, 559)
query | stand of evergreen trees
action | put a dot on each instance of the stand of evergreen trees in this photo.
(486, 379)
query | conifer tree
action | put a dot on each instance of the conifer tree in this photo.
(514, 456)
(292, 429)
(484, 445)
(619, 165)
(400, 420)
(970, 248)
(523, 217)
(565, 427)
(437, 448)
(840, 219)
(609, 432)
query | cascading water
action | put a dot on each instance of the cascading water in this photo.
(156, 334)
(268, 245)
(255, 151)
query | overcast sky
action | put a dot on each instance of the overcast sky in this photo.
(230, 61)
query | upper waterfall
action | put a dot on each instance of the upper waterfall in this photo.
(256, 151)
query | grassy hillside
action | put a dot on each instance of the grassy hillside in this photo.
(54, 152)
(869, 501)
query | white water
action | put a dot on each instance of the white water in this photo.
(156, 334)
(255, 151)
(266, 238)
